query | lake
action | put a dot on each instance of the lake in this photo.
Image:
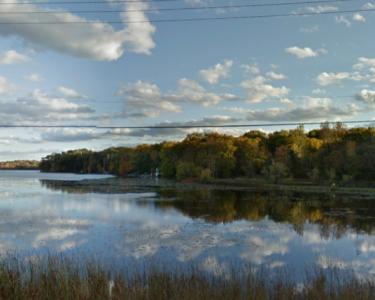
(131, 221)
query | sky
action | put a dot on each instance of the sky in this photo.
(127, 69)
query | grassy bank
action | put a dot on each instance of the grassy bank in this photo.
(126, 184)
(299, 186)
(59, 278)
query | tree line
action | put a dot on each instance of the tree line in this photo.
(19, 165)
(330, 154)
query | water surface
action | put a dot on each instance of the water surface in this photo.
(121, 221)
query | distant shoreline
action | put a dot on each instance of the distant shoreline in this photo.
(19, 169)
(253, 184)
(20, 165)
(362, 189)
(293, 186)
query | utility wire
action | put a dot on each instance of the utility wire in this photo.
(278, 4)
(187, 126)
(121, 101)
(199, 19)
(83, 2)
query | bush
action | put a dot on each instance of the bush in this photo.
(314, 175)
(186, 170)
(205, 175)
(276, 171)
(168, 169)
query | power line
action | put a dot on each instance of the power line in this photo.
(185, 126)
(82, 2)
(179, 8)
(121, 101)
(198, 19)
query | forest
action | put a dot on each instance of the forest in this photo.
(19, 165)
(331, 153)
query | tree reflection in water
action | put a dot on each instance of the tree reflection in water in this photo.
(334, 215)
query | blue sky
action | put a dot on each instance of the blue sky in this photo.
(293, 69)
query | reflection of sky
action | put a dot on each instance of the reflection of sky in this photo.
(117, 227)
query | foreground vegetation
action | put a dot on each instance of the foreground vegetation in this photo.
(19, 165)
(326, 155)
(59, 278)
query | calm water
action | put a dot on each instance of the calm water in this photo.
(121, 221)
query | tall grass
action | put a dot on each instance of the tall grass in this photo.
(61, 278)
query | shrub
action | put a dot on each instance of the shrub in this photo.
(186, 170)
(205, 175)
(276, 171)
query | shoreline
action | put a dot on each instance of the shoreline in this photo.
(291, 186)
(19, 169)
(240, 184)
(246, 184)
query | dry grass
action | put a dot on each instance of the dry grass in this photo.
(60, 278)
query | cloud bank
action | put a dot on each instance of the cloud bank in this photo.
(98, 41)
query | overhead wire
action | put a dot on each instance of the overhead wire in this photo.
(232, 6)
(81, 2)
(195, 19)
(183, 20)
(277, 124)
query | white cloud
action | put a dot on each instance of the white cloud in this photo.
(286, 101)
(76, 134)
(251, 68)
(34, 77)
(313, 109)
(322, 8)
(363, 70)
(319, 91)
(7, 155)
(197, 2)
(5, 86)
(369, 5)
(236, 110)
(13, 57)
(258, 89)
(364, 62)
(275, 76)
(325, 78)
(145, 99)
(310, 29)
(155, 132)
(359, 18)
(302, 53)
(11, 139)
(139, 31)
(343, 20)
(367, 96)
(70, 135)
(39, 108)
(70, 93)
(99, 40)
(219, 71)
(190, 91)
